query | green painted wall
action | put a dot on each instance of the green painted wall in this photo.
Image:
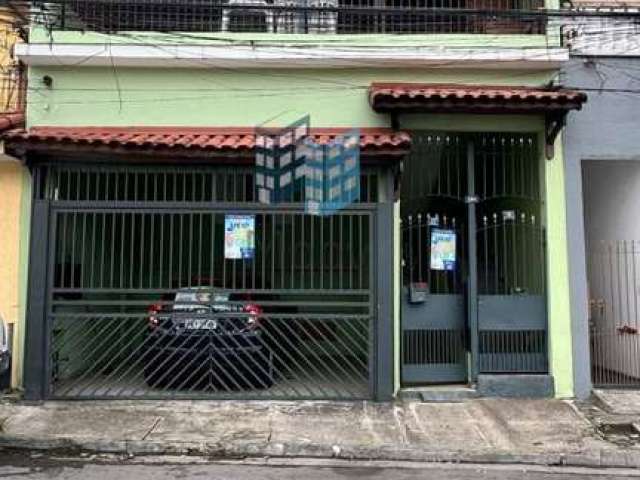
(228, 97)
(558, 290)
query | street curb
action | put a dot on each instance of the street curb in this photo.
(596, 458)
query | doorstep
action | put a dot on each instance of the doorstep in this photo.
(438, 393)
(500, 386)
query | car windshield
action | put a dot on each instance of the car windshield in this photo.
(195, 296)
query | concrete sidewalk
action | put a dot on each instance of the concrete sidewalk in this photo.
(548, 432)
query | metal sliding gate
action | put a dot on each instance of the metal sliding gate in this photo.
(473, 253)
(137, 257)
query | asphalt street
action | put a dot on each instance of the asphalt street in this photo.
(24, 466)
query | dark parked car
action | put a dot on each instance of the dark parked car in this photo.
(207, 338)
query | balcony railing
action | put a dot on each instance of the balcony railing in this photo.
(297, 16)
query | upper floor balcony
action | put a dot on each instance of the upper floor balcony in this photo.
(312, 17)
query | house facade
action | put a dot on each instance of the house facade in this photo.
(602, 172)
(13, 177)
(450, 267)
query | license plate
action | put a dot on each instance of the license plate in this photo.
(200, 324)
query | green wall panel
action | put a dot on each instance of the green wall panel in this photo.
(229, 97)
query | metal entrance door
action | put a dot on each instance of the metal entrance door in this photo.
(434, 320)
(510, 242)
(484, 311)
(147, 297)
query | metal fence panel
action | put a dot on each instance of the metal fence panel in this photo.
(613, 269)
(295, 321)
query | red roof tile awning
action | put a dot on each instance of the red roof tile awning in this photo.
(452, 98)
(221, 144)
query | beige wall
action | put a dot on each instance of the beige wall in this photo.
(12, 177)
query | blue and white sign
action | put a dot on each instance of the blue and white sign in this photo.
(239, 236)
(443, 250)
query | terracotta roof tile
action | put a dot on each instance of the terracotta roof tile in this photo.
(215, 142)
(385, 97)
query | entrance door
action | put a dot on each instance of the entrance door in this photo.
(473, 298)
(434, 320)
(510, 244)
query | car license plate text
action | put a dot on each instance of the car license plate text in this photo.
(200, 324)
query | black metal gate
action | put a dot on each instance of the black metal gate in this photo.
(142, 301)
(434, 320)
(486, 311)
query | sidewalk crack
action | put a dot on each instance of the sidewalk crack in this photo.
(152, 428)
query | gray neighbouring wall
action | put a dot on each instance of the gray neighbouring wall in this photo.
(606, 130)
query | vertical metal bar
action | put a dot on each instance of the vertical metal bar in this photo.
(382, 237)
(283, 226)
(514, 225)
(161, 283)
(123, 223)
(73, 250)
(152, 242)
(340, 251)
(419, 245)
(635, 285)
(180, 245)
(170, 257)
(626, 282)
(473, 267)
(331, 251)
(212, 267)
(142, 222)
(42, 257)
(263, 252)
(200, 246)
(132, 230)
(312, 253)
(112, 266)
(360, 253)
(274, 244)
(351, 248)
(190, 248)
(303, 224)
(102, 248)
(293, 250)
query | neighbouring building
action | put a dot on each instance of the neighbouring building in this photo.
(13, 199)
(602, 156)
(156, 273)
